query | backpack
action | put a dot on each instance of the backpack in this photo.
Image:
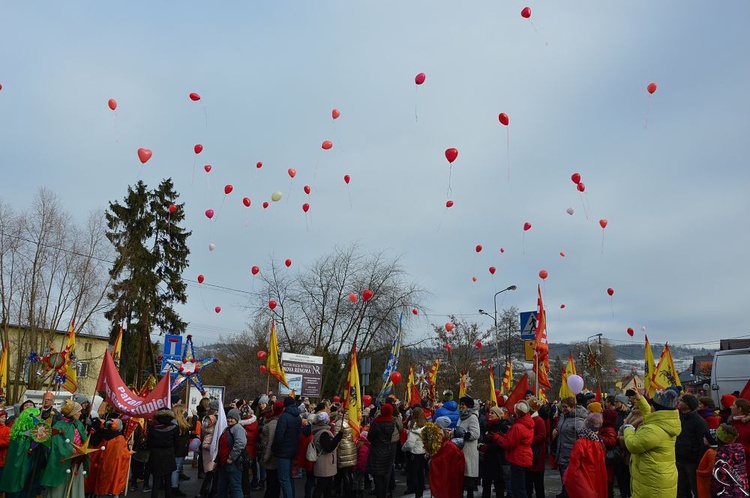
(313, 451)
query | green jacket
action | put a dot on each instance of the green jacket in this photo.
(62, 447)
(652, 463)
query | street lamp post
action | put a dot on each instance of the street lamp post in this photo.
(497, 335)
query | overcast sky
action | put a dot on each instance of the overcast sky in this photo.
(668, 171)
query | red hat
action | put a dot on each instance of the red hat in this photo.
(277, 408)
(727, 400)
(336, 399)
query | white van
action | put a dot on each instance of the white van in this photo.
(730, 372)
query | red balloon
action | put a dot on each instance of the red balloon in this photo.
(451, 154)
(448, 347)
(259, 165)
(246, 201)
(198, 148)
(449, 204)
(562, 254)
(414, 311)
(327, 144)
(603, 223)
(576, 177)
(366, 295)
(172, 208)
(419, 79)
(255, 270)
(272, 304)
(228, 189)
(478, 248)
(144, 155)
(112, 103)
(288, 262)
(492, 270)
(502, 250)
(581, 187)
(305, 207)
(201, 278)
(207, 167)
(335, 114)
(265, 205)
(543, 274)
(611, 291)
(503, 118)
(395, 377)
(366, 400)
(291, 172)
(473, 279)
(217, 309)
(449, 326)
(209, 213)
(353, 297)
(651, 88)
(306, 188)
(336, 399)
(194, 97)
(562, 306)
(347, 179)
(526, 226)
(478, 344)
(526, 12)
(261, 354)
(631, 331)
(263, 369)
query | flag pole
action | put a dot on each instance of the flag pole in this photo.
(536, 377)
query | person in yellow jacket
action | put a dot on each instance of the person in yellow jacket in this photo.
(652, 463)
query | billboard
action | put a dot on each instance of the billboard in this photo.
(194, 395)
(304, 373)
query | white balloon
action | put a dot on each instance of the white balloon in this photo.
(211, 246)
(575, 383)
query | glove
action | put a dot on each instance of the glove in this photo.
(459, 432)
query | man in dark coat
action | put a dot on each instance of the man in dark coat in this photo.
(285, 444)
(689, 447)
(380, 457)
(162, 445)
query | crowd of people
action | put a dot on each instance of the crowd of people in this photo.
(674, 445)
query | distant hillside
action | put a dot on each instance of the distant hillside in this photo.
(634, 352)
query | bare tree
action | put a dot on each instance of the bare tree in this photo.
(51, 272)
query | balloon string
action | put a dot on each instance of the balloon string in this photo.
(583, 204)
(220, 206)
(441, 220)
(611, 307)
(602, 241)
(416, 101)
(205, 306)
(205, 113)
(349, 190)
(648, 111)
(192, 182)
(117, 141)
(290, 190)
(450, 174)
(507, 130)
(523, 243)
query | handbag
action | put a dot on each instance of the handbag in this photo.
(313, 451)
(613, 455)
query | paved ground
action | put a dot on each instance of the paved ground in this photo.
(191, 487)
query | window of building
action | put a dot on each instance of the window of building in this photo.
(83, 369)
(87, 347)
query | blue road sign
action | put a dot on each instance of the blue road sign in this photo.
(172, 351)
(528, 325)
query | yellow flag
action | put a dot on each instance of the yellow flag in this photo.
(649, 369)
(409, 383)
(505, 388)
(462, 386)
(493, 396)
(71, 376)
(273, 363)
(4, 368)
(117, 348)
(352, 401)
(665, 374)
(570, 369)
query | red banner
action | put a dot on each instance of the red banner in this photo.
(125, 401)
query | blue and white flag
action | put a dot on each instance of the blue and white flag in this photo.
(392, 365)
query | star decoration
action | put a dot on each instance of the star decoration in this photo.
(81, 450)
(188, 369)
(41, 433)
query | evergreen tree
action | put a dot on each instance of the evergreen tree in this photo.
(152, 252)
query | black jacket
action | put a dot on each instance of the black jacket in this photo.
(380, 457)
(689, 447)
(286, 438)
(162, 443)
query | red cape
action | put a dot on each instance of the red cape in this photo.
(447, 472)
(586, 476)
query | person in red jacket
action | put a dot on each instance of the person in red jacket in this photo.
(707, 410)
(586, 475)
(249, 422)
(4, 439)
(517, 446)
(608, 435)
(535, 473)
(740, 419)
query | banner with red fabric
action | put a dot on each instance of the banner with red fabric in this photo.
(125, 401)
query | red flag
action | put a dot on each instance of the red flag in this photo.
(519, 392)
(745, 394)
(416, 398)
(598, 397)
(126, 401)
